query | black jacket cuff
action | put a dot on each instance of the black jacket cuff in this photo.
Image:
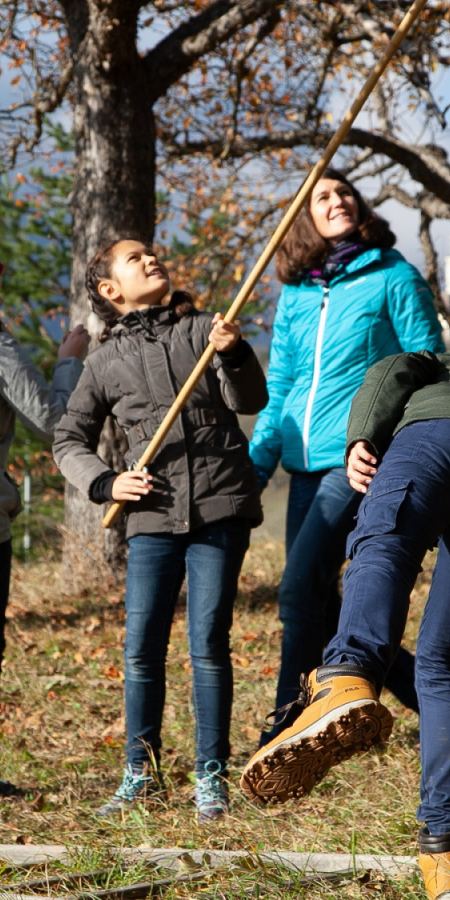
(237, 356)
(100, 490)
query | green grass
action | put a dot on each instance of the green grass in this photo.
(62, 736)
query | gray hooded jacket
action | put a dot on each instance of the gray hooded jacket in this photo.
(24, 392)
(202, 472)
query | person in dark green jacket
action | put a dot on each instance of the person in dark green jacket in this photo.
(398, 458)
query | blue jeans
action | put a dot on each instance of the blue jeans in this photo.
(405, 512)
(321, 513)
(211, 557)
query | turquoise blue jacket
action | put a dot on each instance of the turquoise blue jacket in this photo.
(324, 340)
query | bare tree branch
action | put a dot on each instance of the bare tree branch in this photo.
(52, 95)
(175, 54)
(240, 71)
(428, 165)
(424, 201)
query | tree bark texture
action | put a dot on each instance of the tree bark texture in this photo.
(114, 197)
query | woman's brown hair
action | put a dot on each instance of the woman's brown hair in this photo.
(303, 248)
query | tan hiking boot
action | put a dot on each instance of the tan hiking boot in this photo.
(434, 861)
(341, 716)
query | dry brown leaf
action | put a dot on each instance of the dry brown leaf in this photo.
(98, 653)
(241, 661)
(114, 673)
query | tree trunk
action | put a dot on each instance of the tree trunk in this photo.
(114, 196)
(431, 263)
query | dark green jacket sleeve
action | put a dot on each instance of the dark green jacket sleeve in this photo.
(378, 406)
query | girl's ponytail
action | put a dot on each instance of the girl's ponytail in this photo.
(97, 270)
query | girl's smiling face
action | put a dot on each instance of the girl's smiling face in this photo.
(137, 279)
(334, 210)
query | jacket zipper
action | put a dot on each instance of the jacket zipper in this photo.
(316, 376)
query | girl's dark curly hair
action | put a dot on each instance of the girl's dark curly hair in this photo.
(303, 247)
(99, 268)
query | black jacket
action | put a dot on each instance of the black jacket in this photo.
(202, 472)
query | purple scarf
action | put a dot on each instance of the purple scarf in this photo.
(338, 257)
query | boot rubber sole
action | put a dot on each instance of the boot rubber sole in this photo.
(293, 767)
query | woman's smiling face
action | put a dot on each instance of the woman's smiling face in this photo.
(333, 209)
(137, 279)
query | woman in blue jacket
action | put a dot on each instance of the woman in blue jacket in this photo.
(348, 301)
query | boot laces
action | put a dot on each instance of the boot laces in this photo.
(135, 784)
(299, 704)
(211, 791)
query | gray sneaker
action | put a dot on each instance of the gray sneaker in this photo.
(211, 792)
(135, 787)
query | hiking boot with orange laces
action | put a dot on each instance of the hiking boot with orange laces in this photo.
(340, 715)
(434, 861)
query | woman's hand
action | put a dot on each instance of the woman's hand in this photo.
(361, 466)
(224, 335)
(75, 343)
(131, 486)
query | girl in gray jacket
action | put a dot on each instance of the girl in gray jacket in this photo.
(191, 515)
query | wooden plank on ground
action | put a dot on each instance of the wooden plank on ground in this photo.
(21, 896)
(193, 865)
(27, 855)
(33, 854)
(301, 862)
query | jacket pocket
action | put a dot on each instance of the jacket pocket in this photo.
(378, 513)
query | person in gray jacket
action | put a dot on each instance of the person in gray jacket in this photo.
(192, 513)
(24, 392)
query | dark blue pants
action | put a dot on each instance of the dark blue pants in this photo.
(405, 512)
(321, 513)
(211, 557)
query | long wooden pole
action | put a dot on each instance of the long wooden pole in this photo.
(405, 25)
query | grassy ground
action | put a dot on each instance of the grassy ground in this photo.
(62, 739)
